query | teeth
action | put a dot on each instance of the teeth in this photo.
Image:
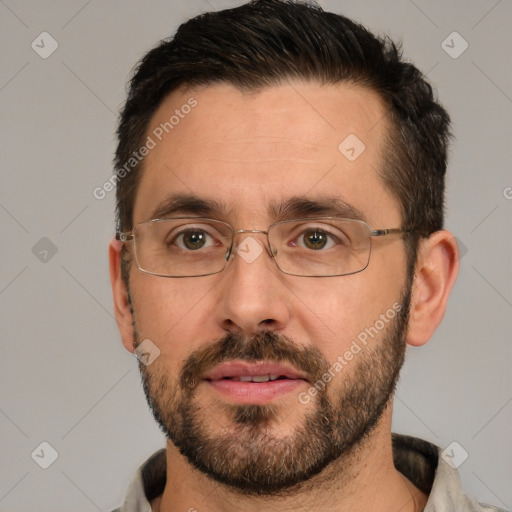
(256, 378)
(261, 378)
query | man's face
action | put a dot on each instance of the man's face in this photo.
(246, 152)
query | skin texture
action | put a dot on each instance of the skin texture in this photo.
(246, 150)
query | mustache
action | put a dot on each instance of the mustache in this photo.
(264, 346)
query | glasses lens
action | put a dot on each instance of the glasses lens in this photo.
(321, 247)
(182, 247)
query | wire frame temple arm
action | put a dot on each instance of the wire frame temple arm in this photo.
(390, 231)
(124, 237)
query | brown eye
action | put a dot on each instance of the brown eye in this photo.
(193, 240)
(315, 239)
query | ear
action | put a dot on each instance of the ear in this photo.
(120, 294)
(437, 267)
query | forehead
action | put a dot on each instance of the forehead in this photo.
(252, 151)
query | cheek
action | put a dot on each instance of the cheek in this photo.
(334, 313)
(169, 313)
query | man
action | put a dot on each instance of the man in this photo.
(280, 189)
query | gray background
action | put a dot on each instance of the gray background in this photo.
(65, 377)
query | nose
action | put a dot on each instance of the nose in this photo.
(252, 295)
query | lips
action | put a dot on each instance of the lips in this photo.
(253, 383)
(253, 372)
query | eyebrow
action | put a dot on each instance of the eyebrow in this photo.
(300, 206)
(187, 204)
(291, 208)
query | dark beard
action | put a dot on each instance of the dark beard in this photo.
(248, 457)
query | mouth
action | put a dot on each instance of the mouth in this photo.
(256, 378)
(254, 383)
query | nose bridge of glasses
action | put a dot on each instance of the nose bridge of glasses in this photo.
(250, 232)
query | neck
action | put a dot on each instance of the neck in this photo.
(364, 479)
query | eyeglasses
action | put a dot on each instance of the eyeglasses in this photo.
(193, 247)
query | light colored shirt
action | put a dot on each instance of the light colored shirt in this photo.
(419, 460)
